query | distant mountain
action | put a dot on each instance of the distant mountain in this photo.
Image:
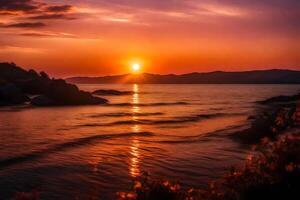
(275, 76)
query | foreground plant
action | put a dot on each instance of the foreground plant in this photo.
(272, 173)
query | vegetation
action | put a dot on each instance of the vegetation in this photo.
(27, 196)
(272, 173)
(271, 122)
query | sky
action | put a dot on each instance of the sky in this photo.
(106, 37)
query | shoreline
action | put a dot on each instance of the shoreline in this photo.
(279, 119)
(277, 115)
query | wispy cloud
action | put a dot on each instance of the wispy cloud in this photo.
(19, 49)
(26, 6)
(24, 25)
(48, 34)
(56, 35)
(24, 13)
(59, 8)
(51, 16)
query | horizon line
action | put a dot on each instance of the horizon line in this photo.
(177, 74)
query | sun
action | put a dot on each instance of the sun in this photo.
(136, 67)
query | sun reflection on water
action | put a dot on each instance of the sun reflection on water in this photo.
(134, 168)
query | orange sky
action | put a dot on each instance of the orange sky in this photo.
(98, 37)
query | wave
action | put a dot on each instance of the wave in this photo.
(125, 114)
(148, 104)
(96, 138)
(207, 136)
(67, 145)
(175, 120)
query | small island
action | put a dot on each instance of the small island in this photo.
(111, 92)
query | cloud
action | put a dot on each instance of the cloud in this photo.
(19, 5)
(252, 16)
(6, 13)
(48, 34)
(19, 49)
(229, 8)
(24, 25)
(36, 34)
(31, 6)
(52, 16)
(18, 11)
(206, 15)
(62, 8)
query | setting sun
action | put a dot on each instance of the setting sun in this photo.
(136, 67)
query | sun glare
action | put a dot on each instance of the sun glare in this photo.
(136, 67)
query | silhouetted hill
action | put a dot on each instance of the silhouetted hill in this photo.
(275, 76)
(18, 86)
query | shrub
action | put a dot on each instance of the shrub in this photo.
(272, 173)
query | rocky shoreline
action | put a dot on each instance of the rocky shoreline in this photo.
(18, 86)
(276, 116)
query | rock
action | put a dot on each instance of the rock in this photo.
(274, 120)
(42, 100)
(34, 86)
(63, 93)
(281, 99)
(10, 95)
(111, 92)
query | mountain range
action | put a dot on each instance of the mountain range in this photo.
(275, 76)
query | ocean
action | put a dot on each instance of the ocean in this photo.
(175, 132)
